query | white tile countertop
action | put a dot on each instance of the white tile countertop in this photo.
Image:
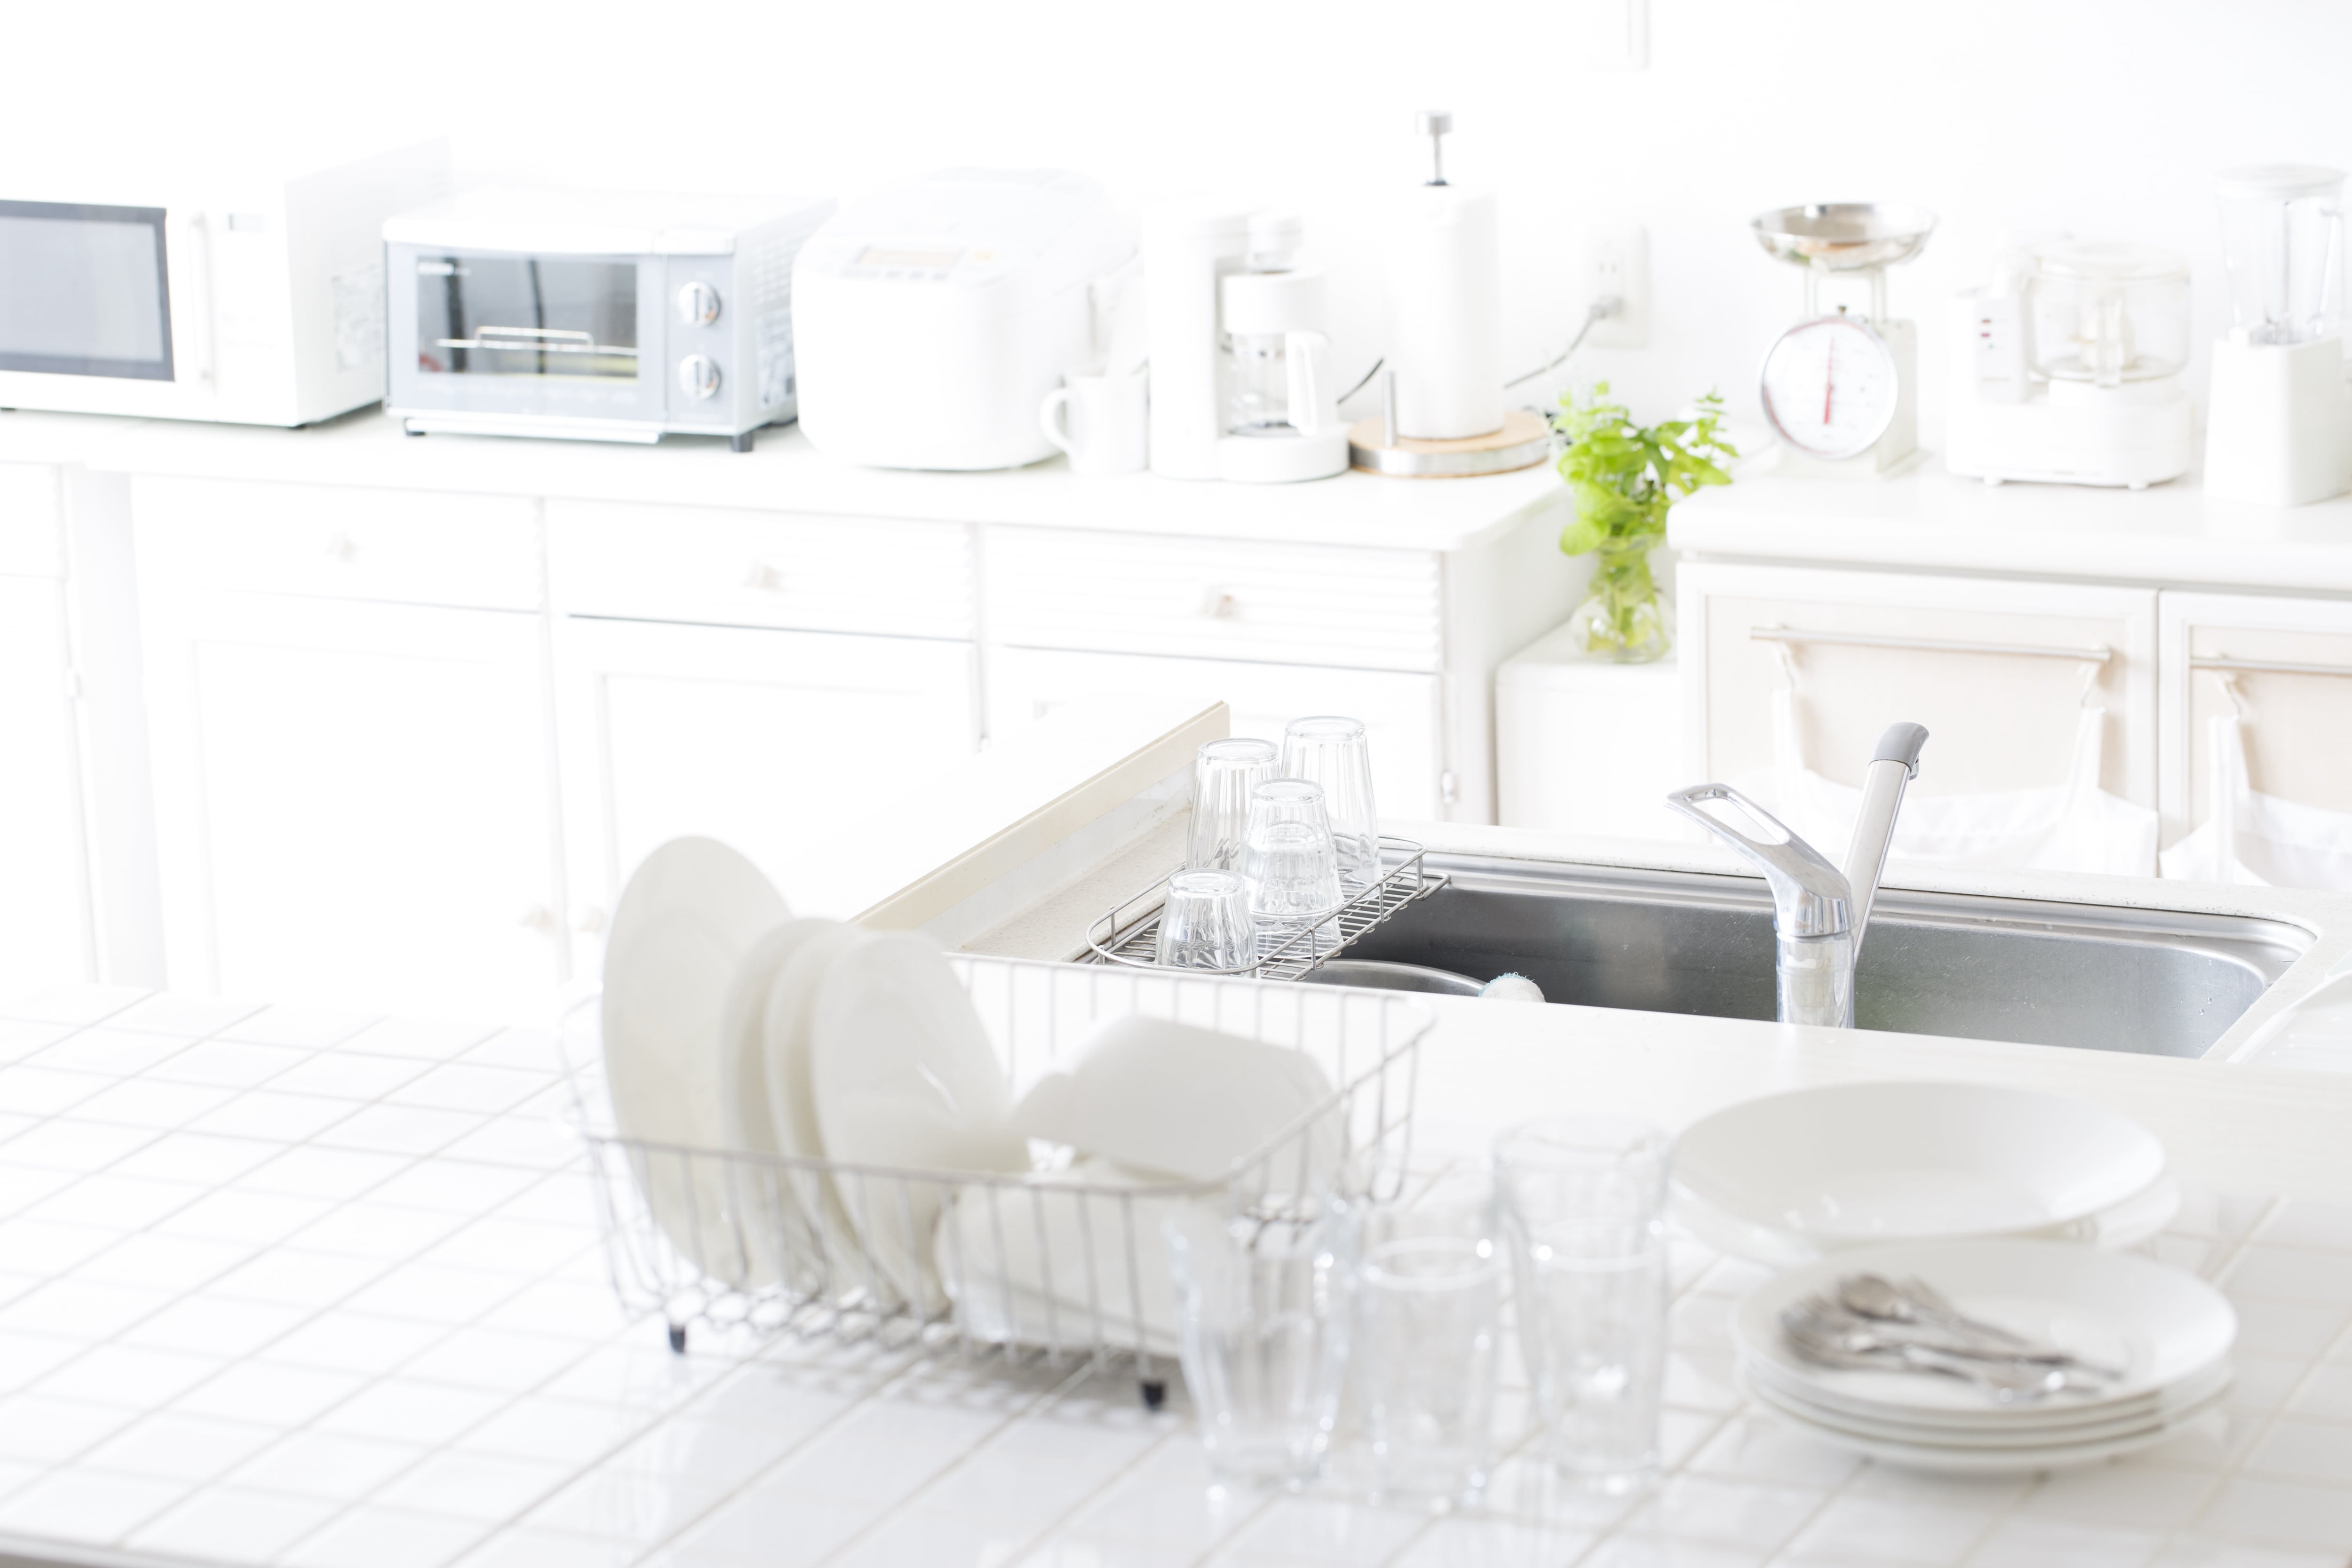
(290, 1288)
(785, 473)
(2172, 535)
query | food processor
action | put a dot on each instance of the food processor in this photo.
(2280, 431)
(2067, 368)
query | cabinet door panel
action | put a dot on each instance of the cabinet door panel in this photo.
(355, 803)
(399, 546)
(1400, 711)
(30, 541)
(760, 738)
(2298, 731)
(44, 925)
(1997, 722)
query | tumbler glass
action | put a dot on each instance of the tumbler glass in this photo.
(1331, 752)
(1206, 923)
(1583, 1205)
(1289, 860)
(1263, 1320)
(1223, 773)
(1427, 1310)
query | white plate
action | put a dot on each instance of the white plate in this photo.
(1851, 1164)
(1993, 1461)
(784, 1024)
(2127, 1224)
(2160, 1325)
(1159, 1096)
(904, 1076)
(777, 1238)
(691, 911)
(2053, 1421)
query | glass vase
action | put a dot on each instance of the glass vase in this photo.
(1622, 620)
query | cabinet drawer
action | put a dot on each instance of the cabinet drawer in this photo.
(760, 569)
(1213, 598)
(29, 545)
(405, 546)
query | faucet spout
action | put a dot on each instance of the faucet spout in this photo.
(1813, 907)
(1893, 766)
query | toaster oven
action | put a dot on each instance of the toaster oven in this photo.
(605, 317)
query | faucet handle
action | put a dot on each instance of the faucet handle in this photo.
(1809, 896)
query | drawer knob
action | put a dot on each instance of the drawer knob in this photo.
(538, 918)
(342, 547)
(1219, 606)
(764, 577)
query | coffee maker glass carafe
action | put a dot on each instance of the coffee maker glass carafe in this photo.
(2282, 239)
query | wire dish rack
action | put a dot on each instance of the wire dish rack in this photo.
(1128, 933)
(1063, 1262)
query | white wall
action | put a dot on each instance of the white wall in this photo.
(2105, 116)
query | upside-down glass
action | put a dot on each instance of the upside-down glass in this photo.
(1288, 859)
(1223, 773)
(1206, 923)
(1427, 1324)
(1583, 1203)
(1263, 1316)
(1331, 752)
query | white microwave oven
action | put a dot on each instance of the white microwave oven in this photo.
(604, 316)
(234, 288)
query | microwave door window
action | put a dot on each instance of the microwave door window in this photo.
(544, 318)
(84, 290)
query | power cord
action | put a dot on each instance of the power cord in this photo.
(1606, 308)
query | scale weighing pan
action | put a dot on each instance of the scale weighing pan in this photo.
(1844, 237)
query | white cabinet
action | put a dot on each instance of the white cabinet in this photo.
(1400, 711)
(2290, 660)
(46, 929)
(1995, 669)
(758, 738)
(355, 802)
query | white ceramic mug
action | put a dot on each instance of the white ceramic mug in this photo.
(1099, 421)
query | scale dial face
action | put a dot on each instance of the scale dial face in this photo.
(1830, 387)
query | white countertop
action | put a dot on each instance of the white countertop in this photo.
(294, 1288)
(2172, 534)
(784, 473)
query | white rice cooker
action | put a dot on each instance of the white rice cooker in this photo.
(930, 319)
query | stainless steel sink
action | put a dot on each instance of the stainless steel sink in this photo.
(2103, 978)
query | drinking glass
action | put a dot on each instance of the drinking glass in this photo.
(1288, 859)
(1223, 773)
(1263, 1320)
(1583, 1205)
(1206, 923)
(1427, 1311)
(1331, 752)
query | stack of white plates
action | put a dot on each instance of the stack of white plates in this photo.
(1797, 1176)
(2165, 1331)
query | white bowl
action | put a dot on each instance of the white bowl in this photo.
(1856, 1164)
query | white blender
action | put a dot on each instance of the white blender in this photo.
(2280, 431)
(2067, 369)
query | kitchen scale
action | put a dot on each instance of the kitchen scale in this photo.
(1841, 390)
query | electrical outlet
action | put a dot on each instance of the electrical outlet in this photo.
(1617, 261)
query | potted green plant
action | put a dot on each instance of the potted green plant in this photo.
(1622, 477)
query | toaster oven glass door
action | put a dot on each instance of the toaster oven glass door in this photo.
(84, 290)
(523, 316)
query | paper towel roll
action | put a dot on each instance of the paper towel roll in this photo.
(1443, 322)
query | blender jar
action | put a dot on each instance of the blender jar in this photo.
(2282, 239)
(2105, 314)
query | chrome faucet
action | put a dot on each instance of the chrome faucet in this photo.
(1818, 912)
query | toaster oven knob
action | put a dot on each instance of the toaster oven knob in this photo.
(697, 376)
(697, 304)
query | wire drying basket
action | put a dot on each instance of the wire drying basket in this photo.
(1064, 1262)
(1128, 933)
